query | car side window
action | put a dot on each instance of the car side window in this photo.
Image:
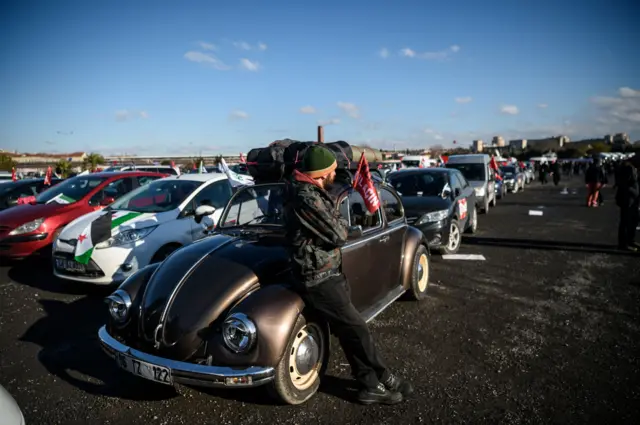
(359, 214)
(216, 194)
(391, 205)
(115, 190)
(462, 180)
(455, 183)
(145, 180)
(23, 192)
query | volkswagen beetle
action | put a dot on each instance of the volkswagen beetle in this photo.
(222, 312)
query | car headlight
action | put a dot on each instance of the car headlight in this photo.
(433, 217)
(239, 332)
(126, 237)
(119, 305)
(29, 227)
(479, 191)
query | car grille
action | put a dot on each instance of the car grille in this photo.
(91, 269)
(5, 229)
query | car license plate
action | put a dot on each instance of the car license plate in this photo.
(145, 370)
(69, 265)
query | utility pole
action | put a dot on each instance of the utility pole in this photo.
(320, 134)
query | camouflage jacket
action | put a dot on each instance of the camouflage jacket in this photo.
(315, 231)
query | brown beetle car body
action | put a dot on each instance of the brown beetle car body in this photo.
(222, 313)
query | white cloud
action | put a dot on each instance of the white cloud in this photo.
(207, 46)
(436, 56)
(206, 59)
(308, 110)
(248, 65)
(429, 131)
(622, 110)
(332, 121)
(509, 109)
(542, 105)
(350, 109)
(407, 52)
(243, 45)
(438, 137)
(628, 92)
(466, 99)
(238, 115)
(127, 115)
(384, 53)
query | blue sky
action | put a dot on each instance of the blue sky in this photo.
(185, 77)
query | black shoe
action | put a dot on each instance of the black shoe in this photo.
(379, 395)
(395, 383)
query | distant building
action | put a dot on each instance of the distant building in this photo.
(46, 158)
(550, 143)
(621, 139)
(608, 139)
(477, 146)
(520, 144)
(498, 141)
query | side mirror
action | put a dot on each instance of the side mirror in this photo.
(456, 192)
(203, 211)
(355, 231)
(446, 193)
(107, 200)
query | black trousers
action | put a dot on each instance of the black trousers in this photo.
(332, 300)
(627, 225)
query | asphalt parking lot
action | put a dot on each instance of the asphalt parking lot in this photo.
(546, 330)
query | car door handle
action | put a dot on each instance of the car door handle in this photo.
(384, 239)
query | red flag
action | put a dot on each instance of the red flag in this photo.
(493, 164)
(14, 177)
(47, 177)
(173, 164)
(242, 158)
(194, 166)
(364, 185)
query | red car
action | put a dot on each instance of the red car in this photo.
(30, 229)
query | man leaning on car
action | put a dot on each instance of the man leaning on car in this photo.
(316, 231)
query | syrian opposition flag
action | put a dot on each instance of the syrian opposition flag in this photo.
(201, 169)
(99, 230)
(47, 177)
(364, 185)
(494, 166)
(61, 199)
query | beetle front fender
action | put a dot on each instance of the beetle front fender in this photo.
(413, 239)
(274, 309)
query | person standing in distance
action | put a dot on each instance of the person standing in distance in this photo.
(316, 231)
(628, 200)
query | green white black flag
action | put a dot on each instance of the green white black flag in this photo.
(99, 230)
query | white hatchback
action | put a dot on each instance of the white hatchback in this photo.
(148, 224)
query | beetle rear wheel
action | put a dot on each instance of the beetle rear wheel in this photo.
(297, 376)
(420, 274)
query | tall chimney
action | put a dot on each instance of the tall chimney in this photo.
(320, 134)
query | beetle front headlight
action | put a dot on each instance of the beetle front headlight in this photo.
(119, 305)
(239, 332)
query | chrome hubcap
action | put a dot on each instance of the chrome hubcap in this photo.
(307, 355)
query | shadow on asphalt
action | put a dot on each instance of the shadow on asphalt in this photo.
(546, 245)
(67, 335)
(37, 273)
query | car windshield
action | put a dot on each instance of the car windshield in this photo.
(508, 171)
(418, 184)
(71, 190)
(411, 164)
(472, 172)
(257, 205)
(157, 196)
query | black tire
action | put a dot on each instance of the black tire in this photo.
(420, 271)
(486, 206)
(285, 387)
(163, 253)
(456, 233)
(472, 228)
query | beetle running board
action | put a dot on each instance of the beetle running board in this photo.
(371, 313)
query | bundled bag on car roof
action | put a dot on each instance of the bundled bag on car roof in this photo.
(280, 158)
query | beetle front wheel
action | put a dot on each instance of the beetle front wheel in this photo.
(297, 376)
